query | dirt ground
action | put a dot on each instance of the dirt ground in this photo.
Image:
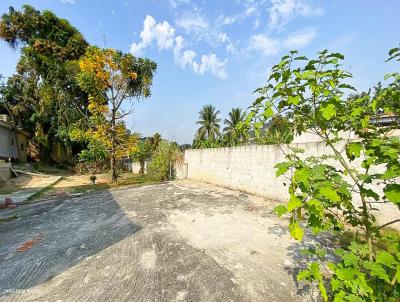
(20, 189)
(178, 241)
(24, 182)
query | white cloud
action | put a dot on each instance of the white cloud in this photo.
(228, 20)
(299, 39)
(163, 34)
(196, 25)
(68, 1)
(265, 44)
(113, 13)
(183, 57)
(193, 23)
(176, 3)
(231, 48)
(282, 11)
(271, 46)
(211, 64)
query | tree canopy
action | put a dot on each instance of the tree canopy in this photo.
(209, 122)
(43, 96)
(111, 78)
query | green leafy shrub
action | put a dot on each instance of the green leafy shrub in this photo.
(159, 166)
(324, 197)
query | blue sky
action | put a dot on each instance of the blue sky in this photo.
(218, 52)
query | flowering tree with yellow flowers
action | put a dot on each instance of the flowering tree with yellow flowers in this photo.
(113, 80)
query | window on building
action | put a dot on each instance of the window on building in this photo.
(12, 142)
(22, 146)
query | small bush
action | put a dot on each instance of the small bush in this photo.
(92, 167)
(159, 166)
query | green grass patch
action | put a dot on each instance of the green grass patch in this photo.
(125, 180)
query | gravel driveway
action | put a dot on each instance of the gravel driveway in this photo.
(178, 241)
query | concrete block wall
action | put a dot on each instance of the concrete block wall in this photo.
(180, 169)
(251, 169)
(135, 167)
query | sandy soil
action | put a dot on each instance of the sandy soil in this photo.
(81, 180)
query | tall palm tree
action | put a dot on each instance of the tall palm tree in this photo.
(209, 123)
(236, 115)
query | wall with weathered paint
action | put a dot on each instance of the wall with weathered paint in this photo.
(12, 145)
(252, 169)
(5, 172)
(5, 143)
(135, 167)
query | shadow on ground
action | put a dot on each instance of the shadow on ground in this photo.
(50, 237)
(300, 260)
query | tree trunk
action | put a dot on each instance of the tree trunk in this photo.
(113, 165)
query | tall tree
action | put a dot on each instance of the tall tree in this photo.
(113, 80)
(143, 153)
(43, 95)
(155, 140)
(209, 123)
(234, 135)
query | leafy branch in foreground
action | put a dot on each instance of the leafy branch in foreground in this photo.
(337, 192)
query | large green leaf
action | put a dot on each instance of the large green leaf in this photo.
(354, 298)
(318, 172)
(302, 175)
(296, 231)
(282, 168)
(328, 112)
(294, 99)
(294, 203)
(392, 193)
(370, 193)
(329, 194)
(305, 274)
(350, 259)
(376, 270)
(346, 273)
(315, 207)
(268, 112)
(339, 296)
(280, 210)
(386, 259)
(354, 150)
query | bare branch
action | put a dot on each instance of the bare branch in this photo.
(388, 223)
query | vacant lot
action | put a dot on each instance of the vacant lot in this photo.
(179, 241)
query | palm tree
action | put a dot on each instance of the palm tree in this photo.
(209, 123)
(233, 134)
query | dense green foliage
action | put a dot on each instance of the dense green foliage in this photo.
(209, 123)
(112, 79)
(143, 153)
(64, 87)
(160, 165)
(325, 198)
(276, 130)
(233, 134)
(43, 96)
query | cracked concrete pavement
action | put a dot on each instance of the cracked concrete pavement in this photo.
(177, 241)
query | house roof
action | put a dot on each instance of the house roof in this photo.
(8, 126)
